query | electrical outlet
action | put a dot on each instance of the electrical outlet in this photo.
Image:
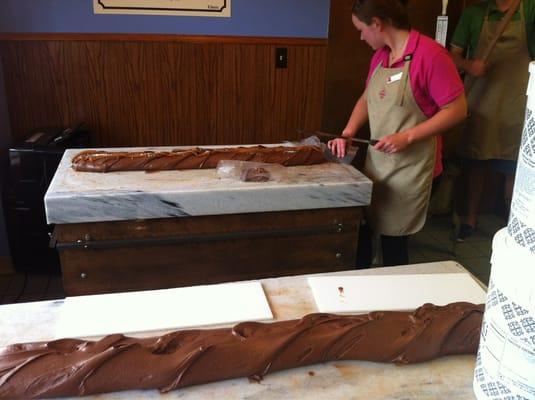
(281, 57)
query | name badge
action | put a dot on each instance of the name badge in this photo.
(395, 77)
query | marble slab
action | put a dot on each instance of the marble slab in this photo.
(75, 197)
(289, 297)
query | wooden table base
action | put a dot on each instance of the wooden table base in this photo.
(122, 256)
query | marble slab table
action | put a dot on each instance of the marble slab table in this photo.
(134, 230)
(289, 298)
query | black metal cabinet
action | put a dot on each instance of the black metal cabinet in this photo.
(32, 165)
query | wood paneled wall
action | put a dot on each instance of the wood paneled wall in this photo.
(137, 90)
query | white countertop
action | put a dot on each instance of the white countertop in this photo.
(75, 197)
(289, 297)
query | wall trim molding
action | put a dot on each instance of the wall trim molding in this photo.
(149, 37)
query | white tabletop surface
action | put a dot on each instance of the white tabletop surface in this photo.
(76, 197)
(289, 297)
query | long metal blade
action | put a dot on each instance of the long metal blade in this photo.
(371, 142)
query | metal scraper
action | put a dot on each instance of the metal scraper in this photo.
(371, 142)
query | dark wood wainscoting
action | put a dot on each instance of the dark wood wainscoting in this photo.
(137, 90)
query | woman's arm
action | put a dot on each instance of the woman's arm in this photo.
(448, 116)
(358, 118)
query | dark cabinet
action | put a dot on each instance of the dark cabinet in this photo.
(32, 164)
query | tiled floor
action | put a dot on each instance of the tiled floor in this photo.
(433, 243)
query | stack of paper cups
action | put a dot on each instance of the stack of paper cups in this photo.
(522, 218)
(505, 366)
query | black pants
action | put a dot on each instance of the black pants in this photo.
(394, 249)
(436, 182)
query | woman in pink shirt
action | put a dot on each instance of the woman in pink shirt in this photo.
(413, 93)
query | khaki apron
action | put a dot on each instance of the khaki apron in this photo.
(401, 181)
(497, 100)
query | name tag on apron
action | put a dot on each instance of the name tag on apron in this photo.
(395, 77)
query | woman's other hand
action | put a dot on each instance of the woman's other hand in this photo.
(338, 147)
(393, 143)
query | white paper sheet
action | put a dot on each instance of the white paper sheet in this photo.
(351, 294)
(98, 315)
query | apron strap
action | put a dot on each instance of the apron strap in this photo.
(404, 79)
(380, 65)
(501, 28)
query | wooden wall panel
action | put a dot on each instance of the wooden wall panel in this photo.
(137, 91)
(347, 65)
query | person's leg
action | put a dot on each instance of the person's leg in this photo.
(364, 247)
(508, 169)
(508, 190)
(395, 250)
(476, 174)
(436, 182)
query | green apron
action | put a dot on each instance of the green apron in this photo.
(401, 181)
(497, 100)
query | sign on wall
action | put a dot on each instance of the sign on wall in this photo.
(204, 8)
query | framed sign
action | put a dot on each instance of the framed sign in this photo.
(204, 8)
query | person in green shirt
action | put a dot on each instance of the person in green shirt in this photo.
(496, 94)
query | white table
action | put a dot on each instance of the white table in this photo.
(290, 297)
(79, 197)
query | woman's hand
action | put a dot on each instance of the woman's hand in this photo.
(393, 143)
(338, 147)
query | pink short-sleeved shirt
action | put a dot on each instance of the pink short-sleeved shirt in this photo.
(435, 81)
